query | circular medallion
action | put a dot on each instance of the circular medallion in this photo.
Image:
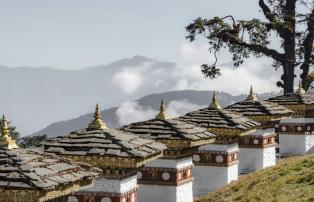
(139, 175)
(299, 128)
(219, 159)
(165, 176)
(106, 199)
(283, 128)
(308, 128)
(196, 158)
(255, 141)
(72, 199)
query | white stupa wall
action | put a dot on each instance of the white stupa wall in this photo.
(296, 144)
(257, 150)
(170, 193)
(103, 184)
(210, 177)
(296, 136)
(252, 159)
(156, 193)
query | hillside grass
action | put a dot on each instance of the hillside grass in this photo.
(292, 179)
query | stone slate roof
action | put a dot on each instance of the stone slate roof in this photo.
(219, 118)
(294, 99)
(103, 142)
(36, 170)
(259, 108)
(168, 129)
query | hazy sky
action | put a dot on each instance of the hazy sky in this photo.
(74, 34)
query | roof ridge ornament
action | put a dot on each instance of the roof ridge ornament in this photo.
(215, 104)
(97, 123)
(162, 114)
(252, 95)
(6, 140)
(300, 89)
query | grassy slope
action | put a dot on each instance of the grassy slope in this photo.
(291, 180)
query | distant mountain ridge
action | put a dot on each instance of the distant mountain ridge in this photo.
(35, 97)
(197, 98)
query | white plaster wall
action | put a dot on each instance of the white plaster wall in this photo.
(185, 193)
(292, 144)
(171, 163)
(210, 178)
(252, 159)
(269, 154)
(157, 193)
(309, 144)
(103, 184)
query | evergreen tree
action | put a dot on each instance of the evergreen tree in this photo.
(290, 22)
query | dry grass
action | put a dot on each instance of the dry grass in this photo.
(291, 180)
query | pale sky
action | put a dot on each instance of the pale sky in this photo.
(72, 34)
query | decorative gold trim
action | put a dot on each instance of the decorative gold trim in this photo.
(97, 123)
(215, 104)
(6, 139)
(252, 95)
(162, 115)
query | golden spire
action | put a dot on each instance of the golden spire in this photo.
(251, 96)
(6, 140)
(300, 89)
(97, 123)
(162, 115)
(215, 104)
(4, 127)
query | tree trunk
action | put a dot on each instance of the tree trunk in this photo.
(288, 77)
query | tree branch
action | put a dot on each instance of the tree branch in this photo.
(308, 49)
(267, 12)
(257, 48)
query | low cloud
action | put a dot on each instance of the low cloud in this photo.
(130, 112)
(180, 107)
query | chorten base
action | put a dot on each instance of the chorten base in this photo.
(215, 166)
(108, 190)
(257, 150)
(296, 136)
(166, 180)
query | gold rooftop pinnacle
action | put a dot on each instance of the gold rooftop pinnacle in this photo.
(300, 88)
(97, 123)
(6, 140)
(215, 104)
(252, 95)
(162, 115)
(4, 127)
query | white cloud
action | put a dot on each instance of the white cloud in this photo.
(129, 80)
(130, 112)
(180, 107)
(233, 80)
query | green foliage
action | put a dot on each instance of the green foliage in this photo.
(243, 38)
(31, 141)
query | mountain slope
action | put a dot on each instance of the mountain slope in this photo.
(291, 180)
(177, 103)
(35, 97)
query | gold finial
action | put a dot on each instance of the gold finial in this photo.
(162, 115)
(215, 104)
(251, 96)
(97, 123)
(300, 89)
(6, 140)
(4, 127)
